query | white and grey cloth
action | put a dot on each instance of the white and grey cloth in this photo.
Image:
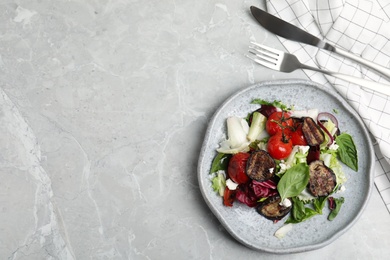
(361, 27)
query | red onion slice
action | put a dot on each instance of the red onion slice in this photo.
(327, 116)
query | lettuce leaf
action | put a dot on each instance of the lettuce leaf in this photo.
(219, 183)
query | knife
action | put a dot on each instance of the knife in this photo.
(291, 32)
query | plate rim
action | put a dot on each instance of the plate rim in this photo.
(370, 159)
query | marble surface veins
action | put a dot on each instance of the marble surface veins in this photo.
(103, 110)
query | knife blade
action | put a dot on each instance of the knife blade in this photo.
(292, 32)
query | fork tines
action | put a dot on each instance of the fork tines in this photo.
(263, 55)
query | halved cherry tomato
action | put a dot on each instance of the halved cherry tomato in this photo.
(297, 136)
(279, 121)
(228, 197)
(237, 168)
(279, 146)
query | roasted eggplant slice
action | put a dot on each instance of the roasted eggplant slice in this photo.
(322, 179)
(271, 208)
(312, 132)
(260, 166)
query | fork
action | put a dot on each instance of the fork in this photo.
(286, 62)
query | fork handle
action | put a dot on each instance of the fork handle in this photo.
(376, 86)
(381, 69)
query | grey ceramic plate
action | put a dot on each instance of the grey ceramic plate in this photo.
(247, 226)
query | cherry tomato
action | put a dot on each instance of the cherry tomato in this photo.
(279, 146)
(297, 136)
(279, 121)
(228, 197)
(237, 168)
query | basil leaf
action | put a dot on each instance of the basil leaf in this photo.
(335, 211)
(301, 213)
(220, 162)
(294, 181)
(319, 204)
(347, 150)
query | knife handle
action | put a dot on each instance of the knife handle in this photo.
(381, 69)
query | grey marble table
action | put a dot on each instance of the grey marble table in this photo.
(104, 105)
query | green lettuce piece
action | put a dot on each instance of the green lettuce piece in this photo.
(330, 159)
(298, 155)
(219, 183)
(332, 129)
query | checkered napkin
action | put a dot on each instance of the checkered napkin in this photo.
(361, 27)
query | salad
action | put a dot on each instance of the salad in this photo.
(279, 160)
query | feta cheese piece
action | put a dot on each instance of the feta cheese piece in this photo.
(303, 148)
(333, 146)
(231, 184)
(283, 166)
(342, 189)
(285, 203)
